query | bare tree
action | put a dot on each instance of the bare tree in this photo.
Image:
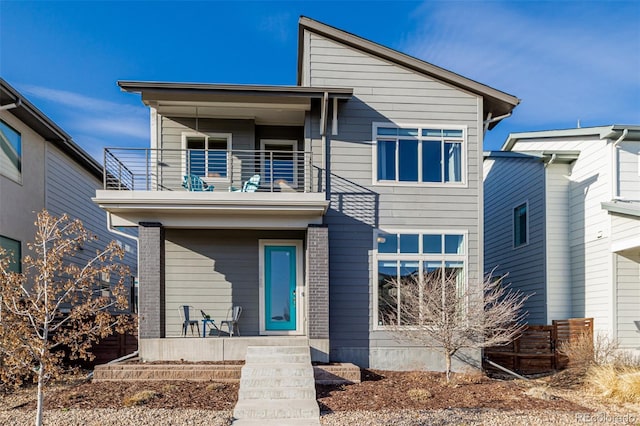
(55, 304)
(437, 307)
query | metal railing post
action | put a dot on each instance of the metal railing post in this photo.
(104, 168)
(271, 169)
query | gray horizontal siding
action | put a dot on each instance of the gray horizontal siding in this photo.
(69, 189)
(628, 301)
(213, 270)
(383, 92)
(525, 265)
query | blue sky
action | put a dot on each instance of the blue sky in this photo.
(566, 60)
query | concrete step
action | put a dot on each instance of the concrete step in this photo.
(276, 422)
(267, 350)
(277, 370)
(277, 393)
(278, 358)
(277, 409)
(275, 382)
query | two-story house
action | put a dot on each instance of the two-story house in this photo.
(41, 167)
(562, 217)
(369, 169)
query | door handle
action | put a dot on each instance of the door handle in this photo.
(293, 293)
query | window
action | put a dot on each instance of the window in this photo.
(418, 154)
(13, 251)
(207, 155)
(415, 256)
(10, 152)
(279, 161)
(520, 225)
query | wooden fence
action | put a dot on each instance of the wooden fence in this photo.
(536, 350)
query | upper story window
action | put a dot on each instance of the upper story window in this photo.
(421, 154)
(520, 225)
(13, 251)
(207, 155)
(10, 152)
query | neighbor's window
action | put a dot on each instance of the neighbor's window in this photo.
(207, 155)
(10, 152)
(419, 154)
(421, 256)
(520, 221)
(14, 253)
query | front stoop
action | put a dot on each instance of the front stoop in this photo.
(277, 387)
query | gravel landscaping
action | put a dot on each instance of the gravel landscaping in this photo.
(383, 398)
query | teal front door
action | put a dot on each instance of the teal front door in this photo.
(280, 287)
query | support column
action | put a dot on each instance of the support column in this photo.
(318, 290)
(151, 296)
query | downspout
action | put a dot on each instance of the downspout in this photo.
(550, 162)
(614, 164)
(490, 120)
(323, 133)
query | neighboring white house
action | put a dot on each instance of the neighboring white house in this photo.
(42, 167)
(562, 217)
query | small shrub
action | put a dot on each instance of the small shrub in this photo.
(541, 392)
(139, 398)
(419, 395)
(585, 350)
(473, 377)
(216, 386)
(620, 383)
(168, 388)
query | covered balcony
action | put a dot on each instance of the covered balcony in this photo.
(224, 156)
(212, 187)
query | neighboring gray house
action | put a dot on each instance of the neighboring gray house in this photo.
(42, 167)
(370, 169)
(562, 217)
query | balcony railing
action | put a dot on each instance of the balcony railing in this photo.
(146, 169)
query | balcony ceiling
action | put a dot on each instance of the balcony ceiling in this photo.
(261, 113)
(264, 104)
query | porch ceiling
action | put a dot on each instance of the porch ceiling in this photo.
(239, 210)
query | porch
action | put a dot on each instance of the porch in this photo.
(278, 276)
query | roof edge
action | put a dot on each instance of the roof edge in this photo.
(46, 128)
(397, 57)
(603, 132)
(139, 86)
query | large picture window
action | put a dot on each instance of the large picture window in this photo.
(407, 257)
(10, 152)
(423, 155)
(207, 155)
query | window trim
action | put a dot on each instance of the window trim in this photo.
(18, 256)
(293, 143)
(17, 179)
(463, 160)
(207, 135)
(513, 225)
(419, 257)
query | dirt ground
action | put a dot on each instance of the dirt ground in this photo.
(379, 390)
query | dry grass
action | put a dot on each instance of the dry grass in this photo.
(419, 395)
(215, 386)
(139, 398)
(619, 383)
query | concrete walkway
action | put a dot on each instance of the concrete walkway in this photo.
(277, 388)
